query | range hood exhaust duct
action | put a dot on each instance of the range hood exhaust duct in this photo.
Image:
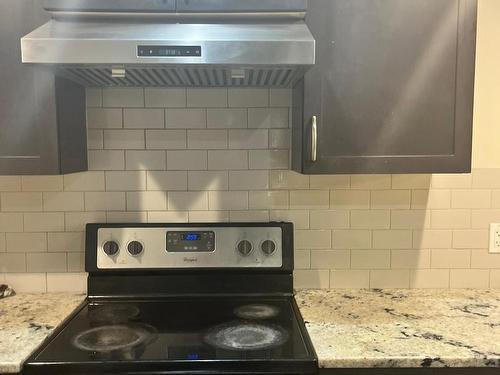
(233, 45)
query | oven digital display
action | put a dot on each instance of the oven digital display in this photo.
(190, 236)
(190, 241)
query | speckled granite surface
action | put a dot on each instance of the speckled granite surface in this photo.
(403, 328)
(26, 320)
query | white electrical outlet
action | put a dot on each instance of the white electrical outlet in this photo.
(495, 238)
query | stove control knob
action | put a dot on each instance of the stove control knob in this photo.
(135, 248)
(244, 247)
(110, 248)
(268, 247)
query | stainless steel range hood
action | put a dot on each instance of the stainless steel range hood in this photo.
(161, 48)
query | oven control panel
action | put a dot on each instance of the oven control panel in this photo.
(177, 247)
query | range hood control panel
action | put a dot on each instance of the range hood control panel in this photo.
(168, 51)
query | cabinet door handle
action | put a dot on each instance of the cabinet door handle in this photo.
(314, 139)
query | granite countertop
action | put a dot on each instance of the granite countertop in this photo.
(26, 320)
(403, 328)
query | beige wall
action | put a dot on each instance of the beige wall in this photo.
(222, 155)
(486, 148)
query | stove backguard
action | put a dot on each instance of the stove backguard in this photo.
(152, 260)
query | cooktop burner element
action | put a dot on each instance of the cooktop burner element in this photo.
(114, 313)
(113, 338)
(256, 311)
(246, 336)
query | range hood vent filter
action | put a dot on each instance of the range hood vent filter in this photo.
(181, 76)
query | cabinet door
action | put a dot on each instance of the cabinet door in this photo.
(37, 134)
(392, 90)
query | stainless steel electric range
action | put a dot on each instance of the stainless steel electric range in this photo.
(184, 298)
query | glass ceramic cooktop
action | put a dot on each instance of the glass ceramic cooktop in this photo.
(194, 329)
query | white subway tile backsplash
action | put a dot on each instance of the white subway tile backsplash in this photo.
(313, 239)
(248, 97)
(95, 139)
(186, 118)
(207, 98)
(147, 201)
(280, 138)
(349, 199)
(127, 217)
(140, 118)
(42, 183)
(288, 180)
(232, 159)
(166, 139)
(207, 139)
(280, 98)
(105, 201)
(44, 222)
(165, 98)
(392, 239)
(85, 181)
(248, 180)
(106, 160)
(330, 182)
(10, 183)
(207, 180)
(328, 219)
(76, 221)
(389, 279)
(11, 262)
(267, 199)
(227, 200)
(93, 97)
(126, 181)
(123, 97)
(268, 159)
(469, 278)
(370, 259)
(209, 217)
(26, 242)
(167, 180)
(66, 201)
(124, 139)
(299, 218)
(21, 202)
(220, 155)
(309, 199)
(227, 118)
(268, 118)
(66, 242)
(248, 139)
(11, 222)
(332, 259)
(46, 262)
(249, 216)
(186, 160)
(430, 279)
(104, 118)
(350, 279)
(145, 160)
(168, 217)
(180, 201)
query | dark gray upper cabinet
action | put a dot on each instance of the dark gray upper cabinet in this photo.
(392, 91)
(42, 119)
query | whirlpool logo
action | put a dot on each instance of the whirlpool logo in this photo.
(190, 260)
